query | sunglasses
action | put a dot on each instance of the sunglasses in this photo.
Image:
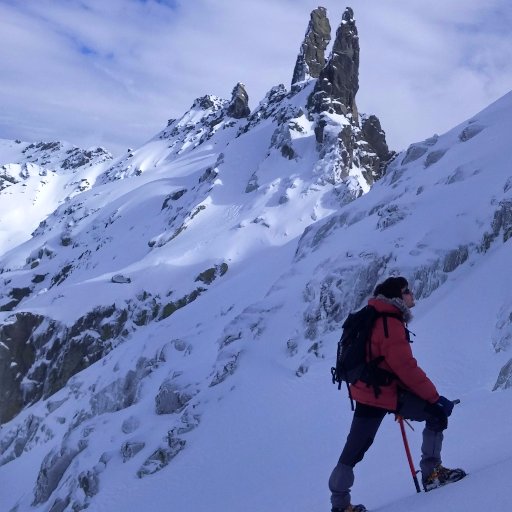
(407, 292)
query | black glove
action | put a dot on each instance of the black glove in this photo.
(445, 405)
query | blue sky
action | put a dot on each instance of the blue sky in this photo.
(112, 73)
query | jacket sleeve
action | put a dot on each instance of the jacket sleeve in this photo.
(398, 356)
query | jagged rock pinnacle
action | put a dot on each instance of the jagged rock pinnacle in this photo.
(239, 105)
(311, 58)
(338, 82)
(376, 137)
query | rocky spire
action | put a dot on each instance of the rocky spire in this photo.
(311, 58)
(376, 137)
(338, 82)
(239, 105)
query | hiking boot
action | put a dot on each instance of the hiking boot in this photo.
(441, 476)
(351, 508)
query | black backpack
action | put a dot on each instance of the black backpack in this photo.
(352, 363)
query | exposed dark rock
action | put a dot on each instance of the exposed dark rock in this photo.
(61, 352)
(14, 442)
(65, 240)
(328, 300)
(120, 279)
(311, 58)
(347, 146)
(9, 306)
(376, 137)
(62, 275)
(39, 278)
(282, 140)
(161, 457)
(172, 197)
(270, 106)
(470, 131)
(415, 151)
(130, 448)
(17, 356)
(338, 83)
(225, 369)
(239, 105)
(121, 393)
(170, 398)
(252, 184)
(455, 258)
(84, 344)
(209, 175)
(428, 278)
(79, 157)
(204, 103)
(390, 215)
(434, 156)
(6, 179)
(501, 223)
(17, 295)
(52, 469)
(89, 482)
(172, 307)
(208, 276)
(504, 380)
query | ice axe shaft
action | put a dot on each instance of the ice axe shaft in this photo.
(414, 473)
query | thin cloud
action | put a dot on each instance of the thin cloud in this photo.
(112, 73)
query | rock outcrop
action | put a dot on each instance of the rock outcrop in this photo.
(39, 355)
(239, 106)
(338, 82)
(376, 138)
(311, 58)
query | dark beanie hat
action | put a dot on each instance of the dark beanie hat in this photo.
(392, 287)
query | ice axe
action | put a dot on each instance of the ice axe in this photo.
(414, 472)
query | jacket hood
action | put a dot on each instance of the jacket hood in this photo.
(395, 305)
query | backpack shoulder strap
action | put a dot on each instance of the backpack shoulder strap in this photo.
(385, 317)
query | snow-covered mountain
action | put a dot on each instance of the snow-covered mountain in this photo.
(169, 318)
(35, 178)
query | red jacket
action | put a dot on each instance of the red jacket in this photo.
(398, 359)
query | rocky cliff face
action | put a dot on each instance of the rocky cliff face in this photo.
(239, 105)
(311, 59)
(338, 82)
(334, 94)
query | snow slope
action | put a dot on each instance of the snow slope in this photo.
(241, 364)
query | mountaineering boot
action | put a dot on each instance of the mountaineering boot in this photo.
(351, 508)
(441, 476)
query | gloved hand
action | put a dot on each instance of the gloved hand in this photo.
(445, 405)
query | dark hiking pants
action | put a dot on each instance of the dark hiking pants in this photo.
(366, 423)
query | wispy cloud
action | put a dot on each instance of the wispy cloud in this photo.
(112, 73)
